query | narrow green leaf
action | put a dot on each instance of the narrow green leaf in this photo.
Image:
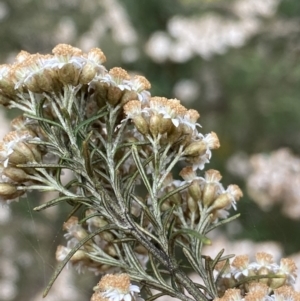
(223, 222)
(152, 298)
(205, 240)
(55, 201)
(141, 169)
(88, 121)
(168, 195)
(155, 270)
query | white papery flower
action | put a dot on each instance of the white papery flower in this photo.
(116, 288)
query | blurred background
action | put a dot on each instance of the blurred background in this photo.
(235, 61)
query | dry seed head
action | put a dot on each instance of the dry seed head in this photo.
(240, 261)
(66, 50)
(255, 296)
(143, 82)
(192, 115)
(232, 294)
(22, 56)
(97, 56)
(286, 293)
(121, 282)
(264, 258)
(119, 74)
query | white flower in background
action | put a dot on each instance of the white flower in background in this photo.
(209, 34)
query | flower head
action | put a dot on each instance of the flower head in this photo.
(116, 288)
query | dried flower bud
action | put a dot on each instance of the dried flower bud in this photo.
(192, 205)
(9, 191)
(222, 201)
(195, 190)
(68, 74)
(154, 123)
(15, 174)
(74, 229)
(141, 124)
(79, 255)
(165, 125)
(107, 236)
(110, 250)
(127, 96)
(197, 148)
(4, 100)
(114, 95)
(88, 72)
(209, 193)
(24, 153)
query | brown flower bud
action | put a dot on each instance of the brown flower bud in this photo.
(68, 74)
(195, 190)
(141, 124)
(24, 153)
(9, 191)
(165, 125)
(222, 201)
(110, 250)
(154, 125)
(141, 250)
(114, 95)
(192, 204)
(196, 148)
(107, 236)
(4, 100)
(79, 255)
(88, 72)
(263, 271)
(209, 193)
(128, 95)
(278, 282)
(15, 174)
(174, 133)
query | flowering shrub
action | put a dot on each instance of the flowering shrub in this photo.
(123, 148)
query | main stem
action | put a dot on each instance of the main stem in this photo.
(165, 260)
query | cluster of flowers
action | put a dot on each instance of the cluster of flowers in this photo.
(275, 178)
(106, 128)
(263, 275)
(260, 292)
(55, 81)
(100, 246)
(211, 33)
(203, 193)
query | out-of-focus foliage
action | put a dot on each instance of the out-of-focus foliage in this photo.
(236, 61)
